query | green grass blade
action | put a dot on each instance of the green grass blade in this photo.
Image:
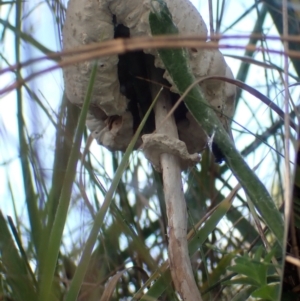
(244, 67)
(27, 177)
(27, 38)
(68, 119)
(15, 268)
(22, 251)
(50, 259)
(175, 61)
(86, 255)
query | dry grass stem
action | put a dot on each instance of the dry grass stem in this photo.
(119, 46)
(180, 265)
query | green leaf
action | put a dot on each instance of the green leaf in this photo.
(247, 271)
(241, 280)
(251, 268)
(243, 294)
(258, 253)
(267, 292)
(176, 63)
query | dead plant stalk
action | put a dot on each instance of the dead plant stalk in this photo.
(180, 265)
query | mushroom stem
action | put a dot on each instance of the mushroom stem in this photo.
(180, 265)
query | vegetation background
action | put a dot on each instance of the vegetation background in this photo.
(37, 127)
